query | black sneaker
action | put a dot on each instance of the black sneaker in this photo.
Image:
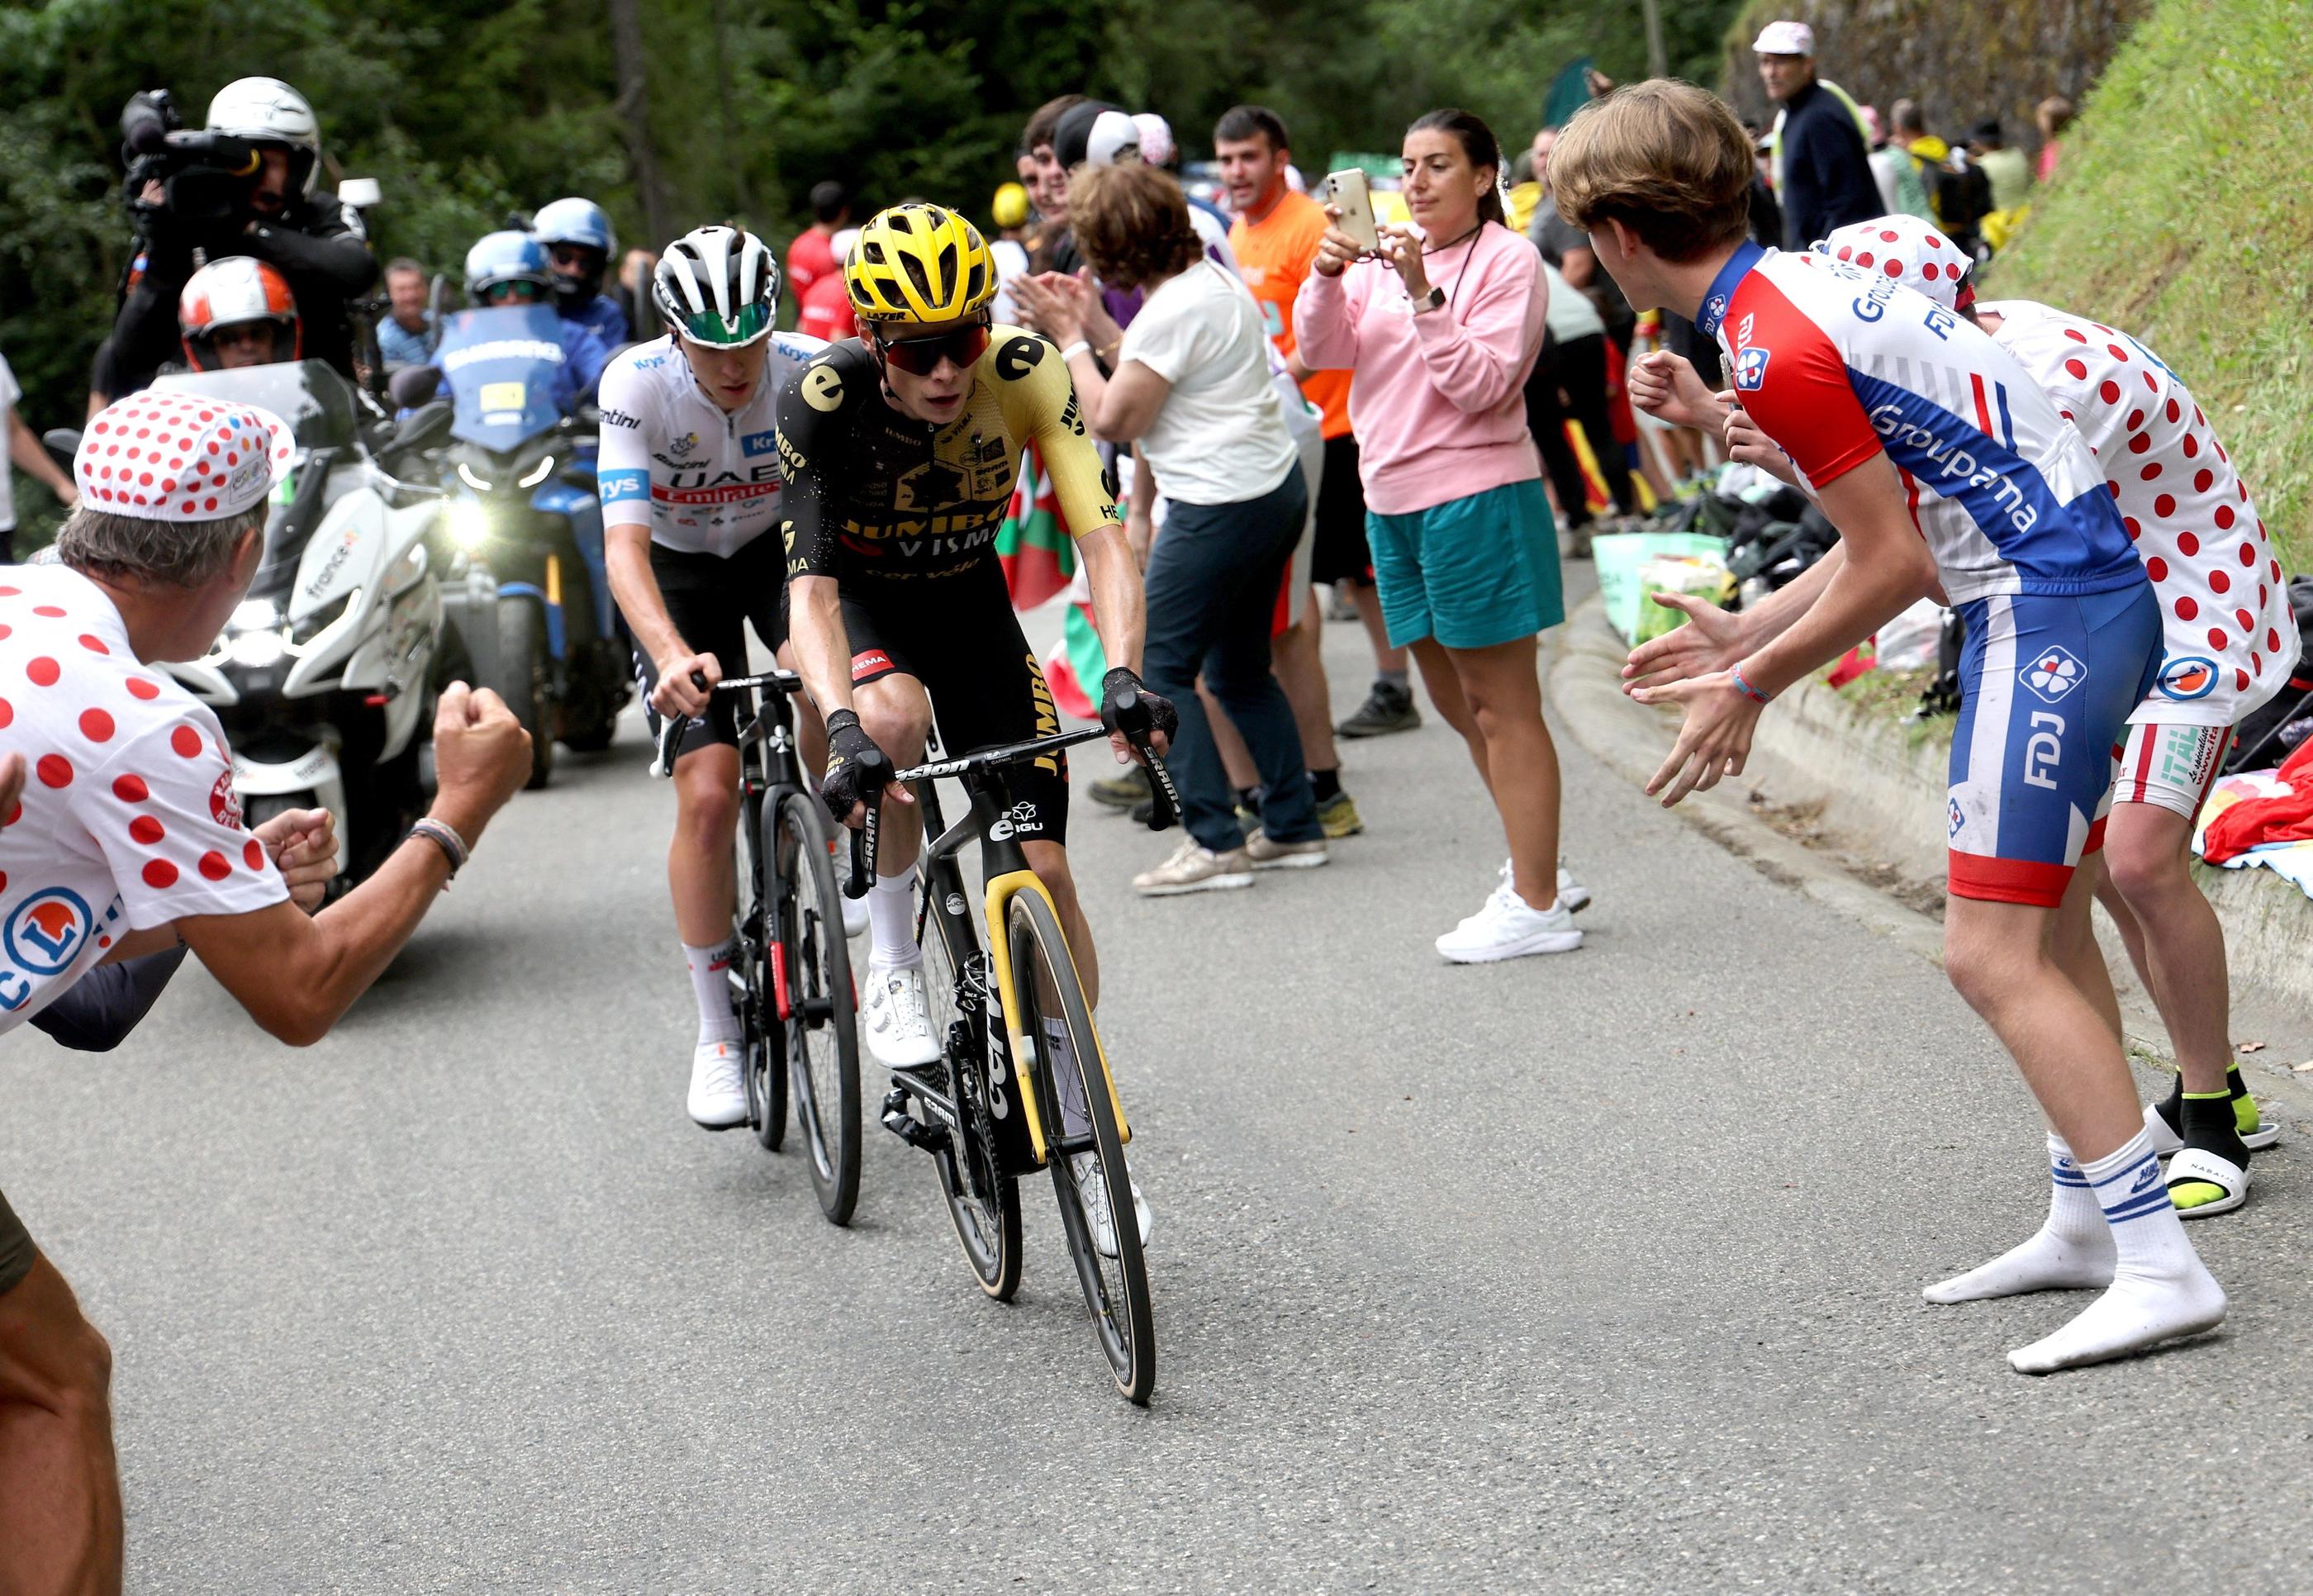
(1388, 708)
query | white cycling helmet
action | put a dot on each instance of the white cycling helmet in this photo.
(266, 110)
(718, 286)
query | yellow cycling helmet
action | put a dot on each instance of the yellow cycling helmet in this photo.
(1010, 207)
(916, 264)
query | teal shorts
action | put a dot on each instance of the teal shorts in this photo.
(1471, 572)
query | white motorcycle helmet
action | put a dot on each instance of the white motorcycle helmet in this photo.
(266, 110)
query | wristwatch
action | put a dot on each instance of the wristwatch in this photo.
(1435, 300)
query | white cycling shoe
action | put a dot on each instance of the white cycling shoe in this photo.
(894, 1018)
(1087, 1169)
(718, 1096)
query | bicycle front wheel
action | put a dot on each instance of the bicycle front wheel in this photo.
(1089, 1177)
(821, 1029)
(982, 1200)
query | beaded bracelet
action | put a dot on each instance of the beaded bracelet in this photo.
(443, 836)
(1734, 675)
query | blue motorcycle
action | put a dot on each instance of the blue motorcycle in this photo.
(528, 584)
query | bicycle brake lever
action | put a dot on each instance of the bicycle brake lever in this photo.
(671, 729)
(862, 850)
(1163, 797)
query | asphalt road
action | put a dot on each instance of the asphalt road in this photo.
(1597, 1272)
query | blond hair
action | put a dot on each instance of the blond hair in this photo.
(1666, 159)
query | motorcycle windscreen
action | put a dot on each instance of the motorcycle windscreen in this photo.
(312, 397)
(504, 370)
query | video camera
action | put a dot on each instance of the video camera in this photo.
(206, 177)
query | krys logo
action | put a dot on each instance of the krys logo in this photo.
(760, 443)
(2190, 677)
(47, 929)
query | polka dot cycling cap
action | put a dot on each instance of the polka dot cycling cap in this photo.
(1910, 252)
(170, 456)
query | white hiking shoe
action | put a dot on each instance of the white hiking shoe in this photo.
(1508, 927)
(893, 1019)
(718, 1097)
(1086, 1166)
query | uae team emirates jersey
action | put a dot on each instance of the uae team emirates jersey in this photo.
(706, 480)
(1838, 365)
(128, 818)
(2228, 636)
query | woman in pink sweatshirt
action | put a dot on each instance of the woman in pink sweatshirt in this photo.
(1439, 333)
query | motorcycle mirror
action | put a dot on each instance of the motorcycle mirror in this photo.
(360, 193)
(414, 385)
(63, 444)
(420, 430)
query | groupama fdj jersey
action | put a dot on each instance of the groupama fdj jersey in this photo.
(709, 479)
(1838, 366)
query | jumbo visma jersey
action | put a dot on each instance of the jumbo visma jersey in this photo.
(875, 496)
(1837, 365)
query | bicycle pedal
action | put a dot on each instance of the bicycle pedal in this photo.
(907, 1128)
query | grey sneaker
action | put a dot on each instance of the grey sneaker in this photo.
(1122, 792)
(1268, 855)
(1388, 708)
(1195, 868)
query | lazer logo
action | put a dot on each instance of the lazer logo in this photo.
(2043, 751)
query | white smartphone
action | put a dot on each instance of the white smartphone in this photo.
(1350, 193)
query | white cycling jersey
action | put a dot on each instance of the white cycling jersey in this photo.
(710, 478)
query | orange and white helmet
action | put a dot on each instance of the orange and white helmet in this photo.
(234, 293)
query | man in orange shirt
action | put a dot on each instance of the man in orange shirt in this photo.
(1275, 238)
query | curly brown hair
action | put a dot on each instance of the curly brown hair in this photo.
(1666, 159)
(1131, 223)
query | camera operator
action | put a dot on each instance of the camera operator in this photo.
(245, 187)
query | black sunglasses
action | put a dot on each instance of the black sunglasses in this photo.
(921, 356)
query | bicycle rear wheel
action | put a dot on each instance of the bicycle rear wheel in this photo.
(822, 1041)
(1057, 1024)
(983, 1203)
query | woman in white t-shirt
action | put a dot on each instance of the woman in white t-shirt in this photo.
(1191, 390)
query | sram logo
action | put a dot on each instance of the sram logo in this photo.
(2043, 751)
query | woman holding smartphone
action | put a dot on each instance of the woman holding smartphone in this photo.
(1190, 390)
(1439, 331)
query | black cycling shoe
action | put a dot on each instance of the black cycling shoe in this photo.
(1388, 708)
(1122, 792)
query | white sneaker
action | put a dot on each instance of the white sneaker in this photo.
(1570, 892)
(893, 1019)
(1087, 1167)
(718, 1097)
(1508, 927)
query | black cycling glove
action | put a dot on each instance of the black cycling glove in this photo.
(1128, 706)
(856, 770)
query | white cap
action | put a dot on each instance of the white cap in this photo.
(1114, 138)
(1785, 38)
(180, 456)
(1155, 138)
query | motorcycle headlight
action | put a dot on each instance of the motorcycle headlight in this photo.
(257, 649)
(466, 475)
(470, 523)
(254, 615)
(539, 474)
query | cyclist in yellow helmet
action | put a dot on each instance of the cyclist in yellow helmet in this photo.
(901, 450)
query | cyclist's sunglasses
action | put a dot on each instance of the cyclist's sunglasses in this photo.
(921, 356)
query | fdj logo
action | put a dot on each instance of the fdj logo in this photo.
(2190, 677)
(47, 929)
(1955, 817)
(2055, 673)
(1750, 369)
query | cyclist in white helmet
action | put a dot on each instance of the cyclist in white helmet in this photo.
(689, 480)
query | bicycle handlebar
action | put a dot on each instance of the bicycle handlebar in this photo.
(670, 728)
(1165, 798)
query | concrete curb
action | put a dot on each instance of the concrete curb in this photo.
(1880, 791)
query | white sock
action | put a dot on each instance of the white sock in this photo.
(2158, 1291)
(2072, 1249)
(892, 923)
(711, 984)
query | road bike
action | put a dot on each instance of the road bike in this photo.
(1022, 1083)
(791, 981)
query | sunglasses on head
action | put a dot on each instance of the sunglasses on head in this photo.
(921, 356)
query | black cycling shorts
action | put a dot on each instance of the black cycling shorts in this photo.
(1338, 553)
(711, 599)
(16, 1250)
(959, 637)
